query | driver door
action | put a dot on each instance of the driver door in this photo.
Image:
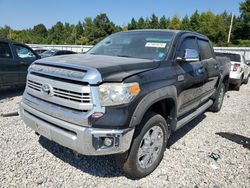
(190, 76)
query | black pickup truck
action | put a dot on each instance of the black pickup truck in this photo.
(126, 96)
(15, 58)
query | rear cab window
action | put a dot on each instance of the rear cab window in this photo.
(232, 57)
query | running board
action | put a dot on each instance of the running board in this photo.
(193, 115)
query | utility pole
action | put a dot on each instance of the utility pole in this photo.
(230, 29)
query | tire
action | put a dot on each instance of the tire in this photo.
(219, 99)
(150, 149)
(246, 80)
(237, 86)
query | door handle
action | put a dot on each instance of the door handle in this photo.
(23, 63)
(216, 66)
(201, 70)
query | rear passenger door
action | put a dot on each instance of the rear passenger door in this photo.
(8, 67)
(191, 77)
(211, 66)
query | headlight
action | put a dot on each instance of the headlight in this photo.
(118, 93)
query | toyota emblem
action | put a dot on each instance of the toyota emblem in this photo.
(47, 89)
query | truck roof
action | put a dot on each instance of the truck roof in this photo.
(169, 30)
(9, 41)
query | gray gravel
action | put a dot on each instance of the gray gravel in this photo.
(29, 161)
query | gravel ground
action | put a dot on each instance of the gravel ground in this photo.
(29, 161)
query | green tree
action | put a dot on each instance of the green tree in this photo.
(243, 22)
(175, 23)
(69, 34)
(56, 35)
(154, 22)
(40, 34)
(79, 30)
(101, 27)
(5, 31)
(195, 21)
(185, 23)
(141, 23)
(163, 23)
(132, 25)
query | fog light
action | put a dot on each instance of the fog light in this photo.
(97, 115)
(108, 141)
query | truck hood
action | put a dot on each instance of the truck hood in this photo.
(111, 68)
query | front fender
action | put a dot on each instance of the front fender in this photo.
(168, 92)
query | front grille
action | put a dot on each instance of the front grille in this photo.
(74, 96)
(62, 93)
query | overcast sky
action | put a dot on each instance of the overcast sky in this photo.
(23, 14)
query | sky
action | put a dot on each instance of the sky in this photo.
(24, 14)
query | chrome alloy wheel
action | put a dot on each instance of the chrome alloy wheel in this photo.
(221, 96)
(150, 147)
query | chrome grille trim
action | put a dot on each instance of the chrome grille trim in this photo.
(70, 95)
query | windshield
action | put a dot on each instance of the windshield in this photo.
(144, 45)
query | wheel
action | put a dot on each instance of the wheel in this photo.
(237, 86)
(147, 147)
(246, 80)
(219, 99)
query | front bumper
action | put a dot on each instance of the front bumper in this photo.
(85, 140)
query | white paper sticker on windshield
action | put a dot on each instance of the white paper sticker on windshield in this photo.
(155, 45)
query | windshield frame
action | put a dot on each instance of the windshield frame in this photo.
(167, 49)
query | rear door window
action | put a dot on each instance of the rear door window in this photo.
(205, 49)
(5, 51)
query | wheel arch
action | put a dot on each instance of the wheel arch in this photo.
(162, 101)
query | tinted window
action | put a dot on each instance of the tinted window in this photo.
(205, 49)
(24, 52)
(188, 43)
(232, 57)
(5, 51)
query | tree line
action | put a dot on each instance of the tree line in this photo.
(90, 31)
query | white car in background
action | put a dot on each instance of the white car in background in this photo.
(240, 71)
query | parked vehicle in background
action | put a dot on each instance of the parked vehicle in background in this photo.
(240, 71)
(40, 51)
(55, 52)
(15, 58)
(126, 95)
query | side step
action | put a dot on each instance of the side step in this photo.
(193, 115)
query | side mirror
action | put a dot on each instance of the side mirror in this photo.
(248, 63)
(190, 55)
